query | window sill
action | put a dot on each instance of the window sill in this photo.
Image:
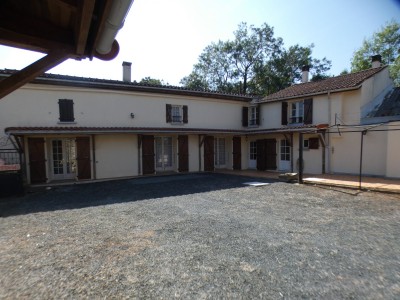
(66, 122)
(295, 124)
(253, 126)
(177, 123)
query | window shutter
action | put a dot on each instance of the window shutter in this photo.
(258, 115)
(185, 114)
(313, 143)
(245, 116)
(308, 111)
(169, 113)
(66, 107)
(284, 117)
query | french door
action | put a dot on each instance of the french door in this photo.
(284, 159)
(164, 153)
(63, 159)
(219, 153)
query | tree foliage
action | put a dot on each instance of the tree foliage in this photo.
(151, 81)
(254, 62)
(385, 42)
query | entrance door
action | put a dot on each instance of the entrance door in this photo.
(63, 159)
(219, 153)
(237, 153)
(83, 158)
(266, 154)
(284, 155)
(209, 153)
(253, 155)
(164, 158)
(37, 160)
(183, 151)
(148, 154)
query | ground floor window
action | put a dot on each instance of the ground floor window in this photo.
(219, 152)
(253, 150)
(285, 150)
(164, 153)
(63, 161)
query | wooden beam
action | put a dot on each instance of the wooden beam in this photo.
(30, 72)
(33, 33)
(83, 22)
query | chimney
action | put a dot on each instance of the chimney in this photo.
(126, 71)
(305, 73)
(376, 61)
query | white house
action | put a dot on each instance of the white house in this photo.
(73, 128)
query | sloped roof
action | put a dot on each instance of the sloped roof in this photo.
(333, 84)
(390, 105)
(76, 81)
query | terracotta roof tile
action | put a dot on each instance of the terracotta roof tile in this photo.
(348, 81)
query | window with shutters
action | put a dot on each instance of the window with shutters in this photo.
(177, 114)
(253, 116)
(66, 107)
(297, 112)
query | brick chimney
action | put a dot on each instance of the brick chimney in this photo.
(305, 73)
(376, 61)
(126, 71)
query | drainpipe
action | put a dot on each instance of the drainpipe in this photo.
(364, 132)
(300, 174)
(107, 48)
(328, 146)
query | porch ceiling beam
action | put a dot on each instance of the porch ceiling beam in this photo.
(33, 33)
(83, 25)
(30, 72)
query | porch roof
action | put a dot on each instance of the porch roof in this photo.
(146, 130)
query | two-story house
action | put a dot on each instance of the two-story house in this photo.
(74, 128)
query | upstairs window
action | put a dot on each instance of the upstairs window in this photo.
(296, 112)
(299, 112)
(251, 116)
(176, 114)
(66, 107)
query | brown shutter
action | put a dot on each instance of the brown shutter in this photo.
(261, 155)
(37, 160)
(313, 143)
(284, 117)
(209, 153)
(245, 116)
(169, 113)
(83, 158)
(148, 154)
(66, 107)
(258, 115)
(270, 147)
(237, 153)
(185, 114)
(308, 111)
(183, 152)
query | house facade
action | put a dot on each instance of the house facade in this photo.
(73, 128)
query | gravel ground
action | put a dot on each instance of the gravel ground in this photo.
(199, 236)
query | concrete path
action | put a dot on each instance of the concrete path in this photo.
(347, 181)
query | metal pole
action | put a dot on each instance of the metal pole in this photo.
(300, 174)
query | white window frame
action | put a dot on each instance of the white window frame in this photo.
(306, 144)
(220, 154)
(253, 116)
(296, 112)
(177, 114)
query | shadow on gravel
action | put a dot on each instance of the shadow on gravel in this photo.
(120, 191)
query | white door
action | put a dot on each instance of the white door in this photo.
(219, 153)
(253, 155)
(63, 159)
(284, 155)
(164, 157)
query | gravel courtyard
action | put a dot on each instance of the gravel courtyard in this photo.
(199, 236)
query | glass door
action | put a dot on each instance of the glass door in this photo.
(63, 162)
(284, 162)
(164, 153)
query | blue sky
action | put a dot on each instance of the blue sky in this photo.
(163, 39)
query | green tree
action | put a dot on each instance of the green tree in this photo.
(385, 42)
(151, 81)
(254, 62)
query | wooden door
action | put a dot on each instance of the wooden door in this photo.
(270, 160)
(183, 153)
(148, 154)
(209, 153)
(83, 158)
(261, 155)
(237, 153)
(37, 160)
